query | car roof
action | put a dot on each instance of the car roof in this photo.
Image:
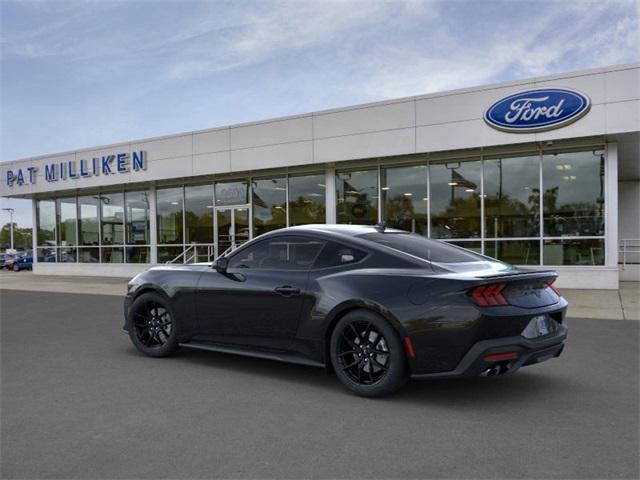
(344, 230)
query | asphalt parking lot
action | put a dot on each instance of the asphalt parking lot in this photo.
(79, 402)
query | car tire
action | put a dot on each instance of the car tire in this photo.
(153, 326)
(16, 268)
(367, 354)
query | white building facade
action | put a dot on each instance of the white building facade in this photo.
(542, 173)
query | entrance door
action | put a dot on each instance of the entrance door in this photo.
(232, 227)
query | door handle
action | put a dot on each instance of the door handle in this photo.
(287, 290)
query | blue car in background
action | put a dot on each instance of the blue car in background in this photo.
(23, 262)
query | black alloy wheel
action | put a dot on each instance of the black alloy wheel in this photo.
(152, 327)
(367, 354)
(363, 353)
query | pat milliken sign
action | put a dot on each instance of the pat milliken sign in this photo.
(537, 110)
(115, 164)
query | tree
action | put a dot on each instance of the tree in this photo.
(21, 237)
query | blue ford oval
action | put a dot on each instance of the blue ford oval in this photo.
(537, 110)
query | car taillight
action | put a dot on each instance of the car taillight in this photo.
(551, 285)
(489, 295)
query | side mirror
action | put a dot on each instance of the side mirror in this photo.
(221, 264)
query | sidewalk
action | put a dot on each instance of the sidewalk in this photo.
(623, 304)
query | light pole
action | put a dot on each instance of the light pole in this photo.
(11, 212)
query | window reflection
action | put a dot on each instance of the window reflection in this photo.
(137, 217)
(67, 213)
(405, 200)
(46, 218)
(574, 252)
(512, 197)
(198, 213)
(455, 199)
(357, 196)
(573, 198)
(517, 252)
(269, 200)
(169, 207)
(307, 199)
(88, 221)
(112, 218)
(232, 193)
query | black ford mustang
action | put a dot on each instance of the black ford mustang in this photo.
(374, 304)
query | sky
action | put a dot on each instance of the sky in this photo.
(86, 73)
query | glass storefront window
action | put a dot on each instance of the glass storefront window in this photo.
(112, 255)
(46, 217)
(512, 197)
(89, 255)
(198, 213)
(67, 221)
(307, 199)
(473, 246)
(166, 254)
(47, 254)
(357, 197)
(269, 200)
(169, 207)
(405, 202)
(138, 254)
(137, 218)
(88, 226)
(232, 193)
(455, 199)
(112, 218)
(516, 252)
(573, 198)
(67, 254)
(574, 252)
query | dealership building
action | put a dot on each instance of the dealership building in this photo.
(541, 172)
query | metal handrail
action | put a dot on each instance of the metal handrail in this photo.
(626, 246)
(184, 254)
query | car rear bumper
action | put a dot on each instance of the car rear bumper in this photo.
(524, 352)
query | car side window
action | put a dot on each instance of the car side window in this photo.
(280, 253)
(335, 254)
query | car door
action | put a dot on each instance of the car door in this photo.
(258, 300)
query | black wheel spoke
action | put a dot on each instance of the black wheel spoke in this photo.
(353, 364)
(348, 352)
(374, 363)
(152, 324)
(379, 365)
(349, 341)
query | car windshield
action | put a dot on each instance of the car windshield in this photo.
(421, 247)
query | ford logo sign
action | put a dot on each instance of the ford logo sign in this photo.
(537, 110)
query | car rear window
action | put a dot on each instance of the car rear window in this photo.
(427, 249)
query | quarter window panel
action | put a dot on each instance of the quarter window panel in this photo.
(67, 221)
(405, 200)
(88, 226)
(112, 218)
(169, 206)
(307, 199)
(269, 199)
(574, 252)
(357, 195)
(46, 218)
(198, 213)
(336, 254)
(573, 198)
(512, 197)
(455, 199)
(137, 218)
